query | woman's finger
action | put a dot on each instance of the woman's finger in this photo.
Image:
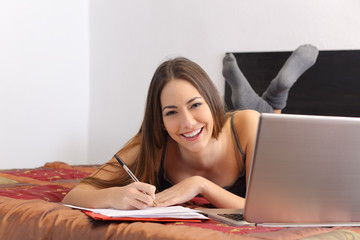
(146, 188)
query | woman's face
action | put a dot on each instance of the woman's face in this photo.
(186, 115)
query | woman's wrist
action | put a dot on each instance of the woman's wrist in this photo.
(203, 184)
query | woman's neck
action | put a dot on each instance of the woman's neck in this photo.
(202, 160)
(208, 158)
(218, 157)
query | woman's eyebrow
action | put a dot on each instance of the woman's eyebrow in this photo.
(188, 102)
(170, 106)
(192, 99)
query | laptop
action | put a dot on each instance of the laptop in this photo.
(305, 172)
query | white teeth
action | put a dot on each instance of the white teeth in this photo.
(192, 134)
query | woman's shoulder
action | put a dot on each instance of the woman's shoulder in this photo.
(246, 116)
(246, 122)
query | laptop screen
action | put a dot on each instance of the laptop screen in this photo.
(305, 169)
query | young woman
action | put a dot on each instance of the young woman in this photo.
(187, 145)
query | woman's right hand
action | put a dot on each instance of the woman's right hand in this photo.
(132, 196)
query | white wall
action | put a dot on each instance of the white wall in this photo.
(44, 82)
(130, 38)
(67, 95)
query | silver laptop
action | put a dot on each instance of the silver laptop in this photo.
(305, 172)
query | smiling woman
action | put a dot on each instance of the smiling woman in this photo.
(186, 116)
(187, 146)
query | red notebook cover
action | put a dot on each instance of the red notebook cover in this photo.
(98, 216)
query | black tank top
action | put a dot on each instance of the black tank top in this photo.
(238, 187)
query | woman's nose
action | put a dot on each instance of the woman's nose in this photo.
(188, 119)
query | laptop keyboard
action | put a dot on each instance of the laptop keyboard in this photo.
(233, 216)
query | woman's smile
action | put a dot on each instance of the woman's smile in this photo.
(194, 135)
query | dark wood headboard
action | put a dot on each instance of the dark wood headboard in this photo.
(330, 87)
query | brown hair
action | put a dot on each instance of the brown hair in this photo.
(151, 136)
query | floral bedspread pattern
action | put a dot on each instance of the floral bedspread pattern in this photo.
(50, 182)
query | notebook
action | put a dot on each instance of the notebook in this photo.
(151, 214)
(305, 172)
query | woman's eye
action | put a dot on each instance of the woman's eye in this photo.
(170, 113)
(195, 105)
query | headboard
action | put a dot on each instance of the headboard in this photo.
(330, 87)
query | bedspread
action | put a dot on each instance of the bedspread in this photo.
(30, 208)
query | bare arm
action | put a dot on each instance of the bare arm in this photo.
(192, 186)
(127, 197)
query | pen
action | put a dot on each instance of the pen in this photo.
(133, 177)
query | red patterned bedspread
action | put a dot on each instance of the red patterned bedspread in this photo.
(29, 203)
(51, 182)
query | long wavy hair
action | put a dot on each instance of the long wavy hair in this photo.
(152, 137)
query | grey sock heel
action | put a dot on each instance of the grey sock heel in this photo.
(300, 60)
(243, 96)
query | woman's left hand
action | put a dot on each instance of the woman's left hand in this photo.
(182, 192)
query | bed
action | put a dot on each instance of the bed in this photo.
(30, 208)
